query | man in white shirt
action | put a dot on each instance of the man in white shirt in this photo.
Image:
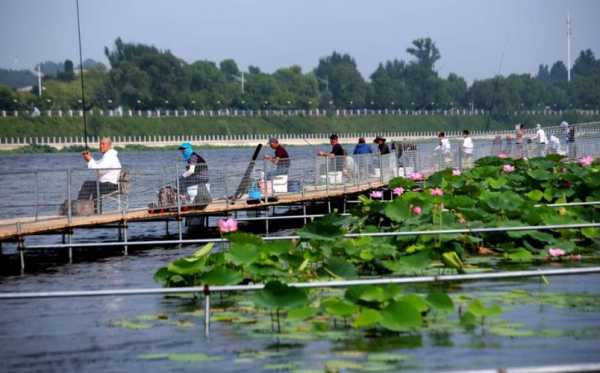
(445, 150)
(542, 140)
(554, 146)
(108, 170)
(467, 149)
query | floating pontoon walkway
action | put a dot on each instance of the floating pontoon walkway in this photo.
(25, 226)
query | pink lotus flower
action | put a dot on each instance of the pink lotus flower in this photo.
(555, 252)
(508, 168)
(575, 257)
(503, 155)
(228, 225)
(417, 210)
(416, 176)
(436, 192)
(456, 172)
(398, 191)
(376, 194)
(586, 161)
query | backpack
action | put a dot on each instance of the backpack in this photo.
(167, 197)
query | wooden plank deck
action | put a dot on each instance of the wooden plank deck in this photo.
(18, 227)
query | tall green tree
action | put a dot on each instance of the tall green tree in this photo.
(346, 84)
(558, 72)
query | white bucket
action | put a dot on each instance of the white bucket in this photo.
(334, 177)
(192, 191)
(280, 184)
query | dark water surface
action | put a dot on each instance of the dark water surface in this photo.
(87, 334)
(79, 334)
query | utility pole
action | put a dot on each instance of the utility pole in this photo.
(39, 79)
(241, 79)
(569, 34)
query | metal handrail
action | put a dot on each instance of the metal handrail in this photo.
(347, 235)
(304, 285)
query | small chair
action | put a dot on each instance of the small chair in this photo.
(122, 192)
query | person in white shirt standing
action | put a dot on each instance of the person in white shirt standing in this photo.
(444, 150)
(542, 140)
(108, 171)
(467, 149)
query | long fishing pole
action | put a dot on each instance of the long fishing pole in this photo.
(81, 76)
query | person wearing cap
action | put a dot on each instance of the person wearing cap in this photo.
(281, 158)
(381, 145)
(194, 180)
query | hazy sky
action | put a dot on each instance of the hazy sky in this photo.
(472, 35)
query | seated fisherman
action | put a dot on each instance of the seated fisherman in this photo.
(109, 169)
(194, 180)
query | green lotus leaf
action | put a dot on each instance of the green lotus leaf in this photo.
(204, 250)
(187, 266)
(339, 307)
(398, 210)
(519, 255)
(367, 317)
(242, 253)
(221, 276)
(341, 268)
(440, 301)
(400, 316)
(278, 295)
(416, 301)
(301, 313)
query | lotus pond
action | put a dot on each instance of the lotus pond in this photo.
(484, 324)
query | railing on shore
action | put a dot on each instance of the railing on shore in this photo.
(289, 112)
(582, 130)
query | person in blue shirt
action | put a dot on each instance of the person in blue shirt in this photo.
(361, 162)
(362, 147)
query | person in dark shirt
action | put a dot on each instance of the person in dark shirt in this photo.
(337, 151)
(194, 179)
(281, 158)
(381, 145)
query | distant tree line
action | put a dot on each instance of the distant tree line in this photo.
(145, 77)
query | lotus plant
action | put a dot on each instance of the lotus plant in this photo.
(228, 225)
(417, 210)
(416, 176)
(398, 191)
(377, 194)
(555, 252)
(508, 168)
(586, 161)
(436, 192)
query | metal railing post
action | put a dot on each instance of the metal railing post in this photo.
(98, 200)
(69, 208)
(206, 311)
(37, 194)
(178, 201)
(381, 168)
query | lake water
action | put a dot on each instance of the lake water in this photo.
(89, 334)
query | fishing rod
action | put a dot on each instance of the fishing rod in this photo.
(81, 78)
